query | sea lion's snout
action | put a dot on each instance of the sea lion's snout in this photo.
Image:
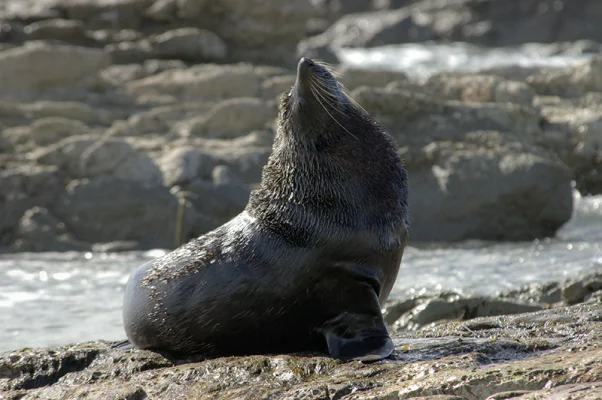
(303, 83)
(304, 65)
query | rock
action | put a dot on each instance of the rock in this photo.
(549, 293)
(225, 175)
(39, 65)
(185, 164)
(480, 88)
(488, 191)
(259, 31)
(50, 130)
(247, 161)
(129, 52)
(68, 109)
(442, 309)
(231, 118)
(118, 75)
(276, 86)
(574, 293)
(355, 77)
(574, 80)
(221, 201)
(416, 118)
(573, 130)
(158, 120)
(163, 11)
(89, 156)
(70, 31)
(105, 209)
(24, 186)
(95, 14)
(538, 354)
(38, 230)
(202, 82)
(190, 44)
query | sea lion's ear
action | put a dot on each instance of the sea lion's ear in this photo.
(358, 337)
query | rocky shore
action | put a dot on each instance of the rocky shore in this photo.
(134, 124)
(535, 342)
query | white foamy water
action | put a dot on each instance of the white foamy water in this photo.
(420, 60)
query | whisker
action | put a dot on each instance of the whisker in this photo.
(334, 119)
(319, 94)
(329, 67)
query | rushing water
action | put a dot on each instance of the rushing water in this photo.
(57, 298)
(420, 60)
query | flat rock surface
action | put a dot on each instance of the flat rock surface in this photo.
(528, 356)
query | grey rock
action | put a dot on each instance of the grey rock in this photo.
(480, 88)
(24, 186)
(257, 30)
(70, 31)
(353, 77)
(231, 118)
(50, 130)
(39, 65)
(225, 175)
(201, 82)
(105, 209)
(90, 156)
(185, 164)
(276, 86)
(39, 230)
(190, 44)
(129, 52)
(219, 201)
(485, 192)
(574, 293)
(441, 309)
(114, 14)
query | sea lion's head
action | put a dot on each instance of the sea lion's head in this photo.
(316, 104)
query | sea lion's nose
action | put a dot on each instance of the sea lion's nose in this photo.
(304, 64)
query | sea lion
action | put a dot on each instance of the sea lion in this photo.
(307, 264)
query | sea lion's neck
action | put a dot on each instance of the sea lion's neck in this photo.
(331, 185)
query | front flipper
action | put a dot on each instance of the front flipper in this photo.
(358, 337)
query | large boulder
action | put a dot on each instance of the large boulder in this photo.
(39, 65)
(487, 187)
(105, 209)
(39, 230)
(89, 156)
(182, 165)
(232, 118)
(23, 186)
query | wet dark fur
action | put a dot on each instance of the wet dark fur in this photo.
(306, 264)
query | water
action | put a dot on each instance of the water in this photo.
(419, 60)
(58, 298)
